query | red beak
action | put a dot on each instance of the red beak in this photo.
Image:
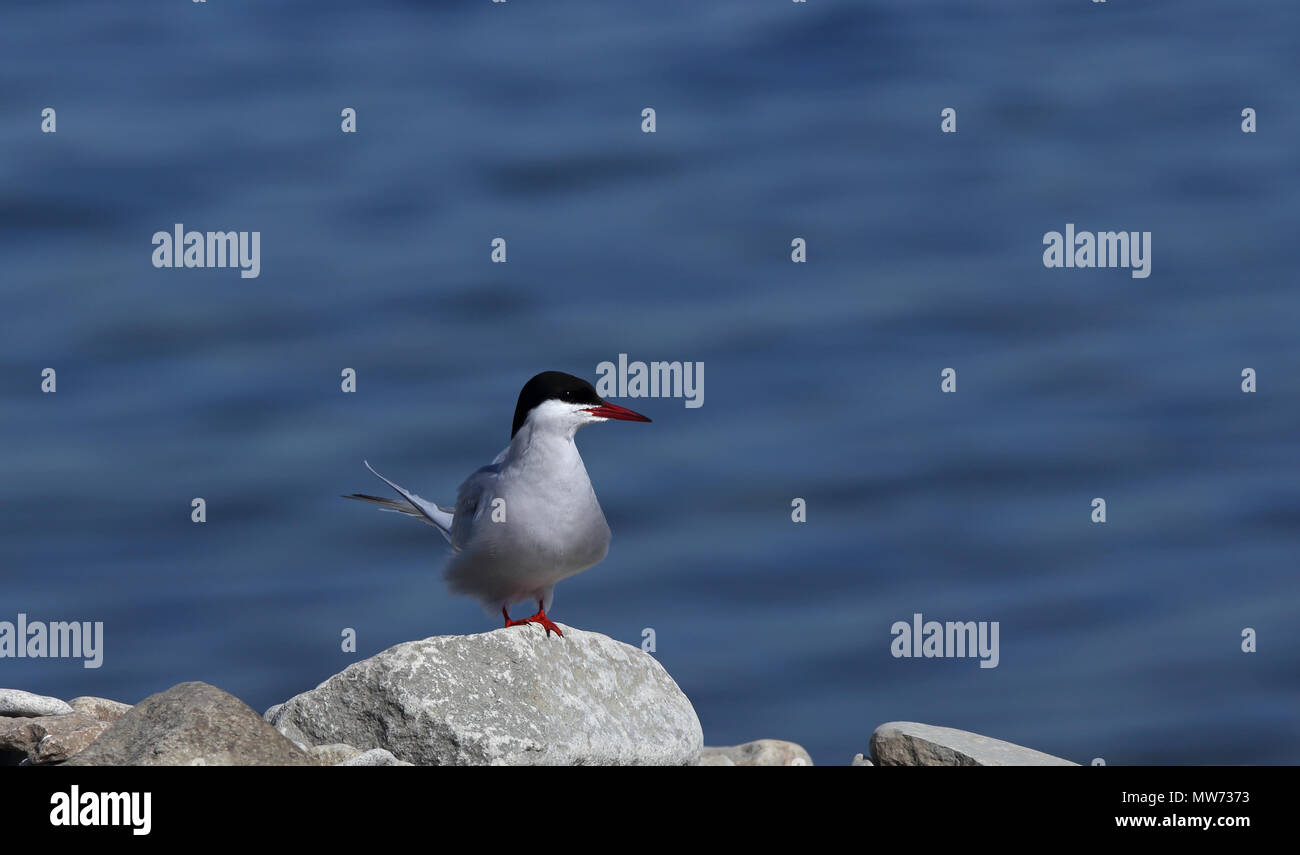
(614, 411)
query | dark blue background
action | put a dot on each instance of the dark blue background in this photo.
(775, 119)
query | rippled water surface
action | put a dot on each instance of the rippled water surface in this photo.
(775, 120)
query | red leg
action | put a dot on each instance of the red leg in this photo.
(546, 622)
(540, 617)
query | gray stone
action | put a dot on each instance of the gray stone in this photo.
(713, 760)
(101, 708)
(191, 724)
(859, 760)
(907, 743)
(22, 739)
(761, 752)
(508, 697)
(374, 757)
(17, 703)
(333, 754)
(57, 747)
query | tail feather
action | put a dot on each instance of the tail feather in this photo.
(411, 505)
(400, 506)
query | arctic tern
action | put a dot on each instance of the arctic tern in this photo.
(530, 518)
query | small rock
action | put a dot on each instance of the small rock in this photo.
(23, 734)
(761, 752)
(57, 747)
(15, 703)
(101, 708)
(908, 743)
(191, 724)
(374, 757)
(19, 735)
(509, 697)
(859, 760)
(713, 759)
(62, 735)
(333, 754)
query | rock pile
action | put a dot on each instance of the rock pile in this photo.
(508, 697)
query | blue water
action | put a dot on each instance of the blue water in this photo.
(775, 120)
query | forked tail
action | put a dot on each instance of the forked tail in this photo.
(410, 504)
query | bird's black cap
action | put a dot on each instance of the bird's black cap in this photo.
(553, 386)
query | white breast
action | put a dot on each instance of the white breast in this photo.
(526, 522)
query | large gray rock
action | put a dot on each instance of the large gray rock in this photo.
(508, 697)
(191, 724)
(760, 752)
(907, 743)
(16, 702)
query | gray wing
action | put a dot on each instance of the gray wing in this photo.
(473, 500)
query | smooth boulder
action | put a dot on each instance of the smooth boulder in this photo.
(510, 697)
(17, 703)
(909, 743)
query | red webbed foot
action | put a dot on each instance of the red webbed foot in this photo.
(540, 617)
